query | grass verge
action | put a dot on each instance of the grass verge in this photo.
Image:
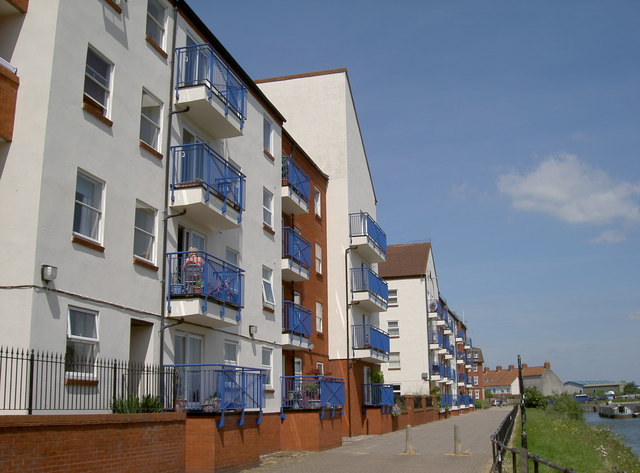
(573, 444)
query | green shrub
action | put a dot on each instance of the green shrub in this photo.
(565, 405)
(135, 405)
(534, 398)
(481, 403)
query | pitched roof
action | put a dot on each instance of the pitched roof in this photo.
(405, 261)
(506, 377)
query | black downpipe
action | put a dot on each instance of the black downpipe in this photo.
(346, 281)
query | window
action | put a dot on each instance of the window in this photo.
(87, 216)
(82, 341)
(476, 393)
(394, 360)
(267, 208)
(97, 80)
(267, 288)
(151, 111)
(230, 352)
(144, 239)
(317, 202)
(318, 258)
(393, 328)
(393, 297)
(319, 368)
(475, 368)
(267, 135)
(231, 256)
(475, 380)
(319, 327)
(156, 22)
(266, 365)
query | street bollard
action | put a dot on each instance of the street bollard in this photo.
(409, 443)
(457, 443)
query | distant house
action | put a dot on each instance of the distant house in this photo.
(503, 383)
(592, 387)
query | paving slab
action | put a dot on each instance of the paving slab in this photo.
(433, 445)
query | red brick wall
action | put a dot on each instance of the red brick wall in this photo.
(8, 93)
(135, 443)
(307, 431)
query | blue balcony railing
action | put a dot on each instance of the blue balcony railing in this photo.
(369, 337)
(447, 401)
(197, 164)
(436, 338)
(295, 247)
(378, 395)
(296, 319)
(312, 392)
(438, 369)
(200, 65)
(365, 279)
(361, 224)
(217, 388)
(196, 273)
(295, 178)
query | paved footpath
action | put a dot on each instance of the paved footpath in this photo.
(432, 443)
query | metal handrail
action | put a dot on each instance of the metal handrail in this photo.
(294, 177)
(362, 224)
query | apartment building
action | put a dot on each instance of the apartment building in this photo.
(430, 347)
(140, 183)
(477, 373)
(322, 116)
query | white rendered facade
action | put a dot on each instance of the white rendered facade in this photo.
(55, 141)
(321, 115)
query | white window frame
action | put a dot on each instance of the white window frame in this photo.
(267, 135)
(394, 360)
(318, 258)
(103, 82)
(319, 368)
(161, 25)
(268, 376)
(84, 340)
(268, 296)
(155, 124)
(475, 380)
(319, 317)
(99, 211)
(317, 202)
(236, 256)
(144, 232)
(393, 331)
(267, 208)
(392, 300)
(228, 360)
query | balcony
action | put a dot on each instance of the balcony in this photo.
(312, 392)
(296, 327)
(461, 335)
(9, 83)
(378, 395)
(437, 371)
(368, 290)
(446, 401)
(370, 343)
(436, 341)
(452, 376)
(216, 388)
(468, 343)
(433, 309)
(204, 290)
(296, 256)
(208, 91)
(367, 238)
(296, 188)
(13, 7)
(207, 186)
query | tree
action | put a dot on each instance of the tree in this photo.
(534, 398)
(631, 388)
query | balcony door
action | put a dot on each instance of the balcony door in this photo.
(191, 166)
(367, 385)
(188, 351)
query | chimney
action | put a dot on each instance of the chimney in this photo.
(511, 367)
(547, 365)
(524, 365)
(498, 368)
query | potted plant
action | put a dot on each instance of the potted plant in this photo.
(197, 287)
(311, 389)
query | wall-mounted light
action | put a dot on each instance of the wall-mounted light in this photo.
(48, 272)
(253, 329)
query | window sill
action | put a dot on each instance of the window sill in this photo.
(94, 110)
(268, 229)
(86, 242)
(266, 308)
(319, 276)
(269, 390)
(318, 217)
(114, 5)
(144, 263)
(394, 369)
(151, 150)
(157, 47)
(268, 155)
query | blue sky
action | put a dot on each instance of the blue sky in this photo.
(506, 133)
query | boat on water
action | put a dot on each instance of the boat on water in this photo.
(617, 412)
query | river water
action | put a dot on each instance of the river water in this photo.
(629, 429)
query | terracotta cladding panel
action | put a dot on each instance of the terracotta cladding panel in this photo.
(8, 95)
